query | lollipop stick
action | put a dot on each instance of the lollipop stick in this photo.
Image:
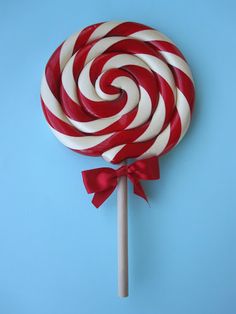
(122, 228)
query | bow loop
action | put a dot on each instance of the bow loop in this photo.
(100, 179)
(103, 181)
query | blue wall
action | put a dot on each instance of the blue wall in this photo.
(57, 252)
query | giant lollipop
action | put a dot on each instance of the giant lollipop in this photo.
(118, 90)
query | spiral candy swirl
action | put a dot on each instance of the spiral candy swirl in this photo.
(118, 90)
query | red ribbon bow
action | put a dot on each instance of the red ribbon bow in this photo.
(103, 181)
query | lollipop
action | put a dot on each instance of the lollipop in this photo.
(118, 90)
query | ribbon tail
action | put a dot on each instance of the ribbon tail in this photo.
(138, 189)
(100, 197)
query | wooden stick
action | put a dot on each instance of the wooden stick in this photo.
(122, 228)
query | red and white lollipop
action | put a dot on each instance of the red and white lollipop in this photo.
(118, 90)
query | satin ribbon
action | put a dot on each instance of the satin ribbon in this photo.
(103, 181)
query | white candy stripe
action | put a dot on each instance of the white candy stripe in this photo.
(101, 46)
(68, 81)
(85, 85)
(109, 154)
(160, 68)
(150, 35)
(103, 29)
(184, 112)
(159, 145)
(51, 102)
(156, 122)
(80, 143)
(177, 62)
(144, 109)
(67, 49)
(124, 59)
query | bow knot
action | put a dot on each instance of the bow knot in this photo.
(122, 171)
(103, 181)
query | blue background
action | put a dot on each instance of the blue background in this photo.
(57, 252)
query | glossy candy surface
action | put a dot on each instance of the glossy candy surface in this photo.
(118, 90)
